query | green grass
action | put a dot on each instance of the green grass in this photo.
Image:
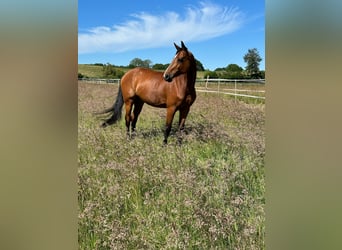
(207, 193)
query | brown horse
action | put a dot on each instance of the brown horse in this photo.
(174, 90)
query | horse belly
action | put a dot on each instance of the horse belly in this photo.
(157, 105)
(154, 101)
(153, 96)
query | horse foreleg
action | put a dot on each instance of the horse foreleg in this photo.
(170, 113)
(183, 113)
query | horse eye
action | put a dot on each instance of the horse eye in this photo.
(180, 60)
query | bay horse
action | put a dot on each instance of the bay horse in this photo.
(173, 89)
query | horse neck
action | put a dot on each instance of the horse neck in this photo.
(188, 78)
(192, 74)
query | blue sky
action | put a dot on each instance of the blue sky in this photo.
(218, 32)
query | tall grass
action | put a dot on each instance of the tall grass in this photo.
(208, 192)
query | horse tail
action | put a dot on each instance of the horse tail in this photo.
(115, 110)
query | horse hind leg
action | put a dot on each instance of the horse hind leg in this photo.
(128, 107)
(138, 105)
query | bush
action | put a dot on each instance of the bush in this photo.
(109, 71)
(211, 74)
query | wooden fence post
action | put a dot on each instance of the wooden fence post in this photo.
(235, 90)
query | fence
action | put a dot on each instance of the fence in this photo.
(99, 81)
(234, 87)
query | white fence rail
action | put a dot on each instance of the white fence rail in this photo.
(235, 86)
(232, 87)
(99, 80)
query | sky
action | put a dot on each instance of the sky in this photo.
(217, 32)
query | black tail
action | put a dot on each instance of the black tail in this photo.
(115, 110)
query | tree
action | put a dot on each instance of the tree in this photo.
(220, 69)
(253, 60)
(234, 71)
(233, 68)
(160, 66)
(199, 65)
(137, 62)
(147, 63)
(262, 74)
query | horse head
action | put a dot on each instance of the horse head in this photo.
(180, 64)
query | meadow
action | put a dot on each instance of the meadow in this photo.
(206, 193)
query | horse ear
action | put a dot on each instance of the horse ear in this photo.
(183, 46)
(177, 47)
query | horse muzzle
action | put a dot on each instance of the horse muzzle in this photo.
(168, 77)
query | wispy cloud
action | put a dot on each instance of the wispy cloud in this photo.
(149, 31)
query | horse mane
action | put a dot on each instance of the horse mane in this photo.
(192, 74)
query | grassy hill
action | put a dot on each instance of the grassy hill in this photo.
(95, 71)
(90, 70)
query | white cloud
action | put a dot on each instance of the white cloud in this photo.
(148, 31)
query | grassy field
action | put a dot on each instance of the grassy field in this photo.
(208, 193)
(91, 71)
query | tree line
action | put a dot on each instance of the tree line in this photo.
(231, 71)
(234, 71)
